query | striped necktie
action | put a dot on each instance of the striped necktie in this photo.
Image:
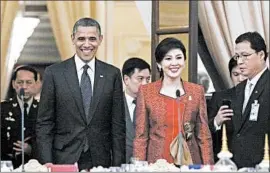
(86, 91)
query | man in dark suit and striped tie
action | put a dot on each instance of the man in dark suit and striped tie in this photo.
(81, 117)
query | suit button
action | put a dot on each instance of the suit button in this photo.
(238, 135)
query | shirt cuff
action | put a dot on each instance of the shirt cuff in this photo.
(217, 127)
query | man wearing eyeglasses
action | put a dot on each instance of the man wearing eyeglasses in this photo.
(250, 103)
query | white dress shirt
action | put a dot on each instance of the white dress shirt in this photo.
(255, 80)
(131, 105)
(248, 90)
(91, 70)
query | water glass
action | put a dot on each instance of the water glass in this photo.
(133, 160)
(115, 169)
(6, 166)
(125, 167)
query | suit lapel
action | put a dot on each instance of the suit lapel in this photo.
(129, 123)
(16, 111)
(256, 93)
(33, 108)
(238, 105)
(73, 83)
(185, 99)
(98, 87)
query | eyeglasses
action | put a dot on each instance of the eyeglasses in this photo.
(243, 56)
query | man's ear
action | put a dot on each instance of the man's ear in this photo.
(159, 66)
(72, 38)
(262, 55)
(100, 38)
(126, 78)
(13, 84)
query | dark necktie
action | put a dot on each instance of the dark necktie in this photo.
(86, 91)
(134, 113)
(25, 106)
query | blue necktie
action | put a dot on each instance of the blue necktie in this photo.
(86, 91)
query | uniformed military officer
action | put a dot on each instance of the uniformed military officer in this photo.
(11, 110)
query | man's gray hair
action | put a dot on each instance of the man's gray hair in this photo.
(86, 22)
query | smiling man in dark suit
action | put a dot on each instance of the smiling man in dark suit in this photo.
(81, 116)
(135, 72)
(251, 113)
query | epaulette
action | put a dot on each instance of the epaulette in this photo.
(8, 100)
(4, 101)
(35, 101)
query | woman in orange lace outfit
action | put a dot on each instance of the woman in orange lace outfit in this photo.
(159, 112)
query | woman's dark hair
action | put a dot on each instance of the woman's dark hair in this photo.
(165, 46)
(232, 64)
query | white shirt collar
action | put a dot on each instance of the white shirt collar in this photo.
(256, 78)
(79, 63)
(29, 102)
(129, 99)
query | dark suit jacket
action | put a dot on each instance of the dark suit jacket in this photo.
(212, 109)
(61, 123)
(130, 133)
(11, 129)
(248, 136)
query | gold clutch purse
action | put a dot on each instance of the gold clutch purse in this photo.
(181, 156)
